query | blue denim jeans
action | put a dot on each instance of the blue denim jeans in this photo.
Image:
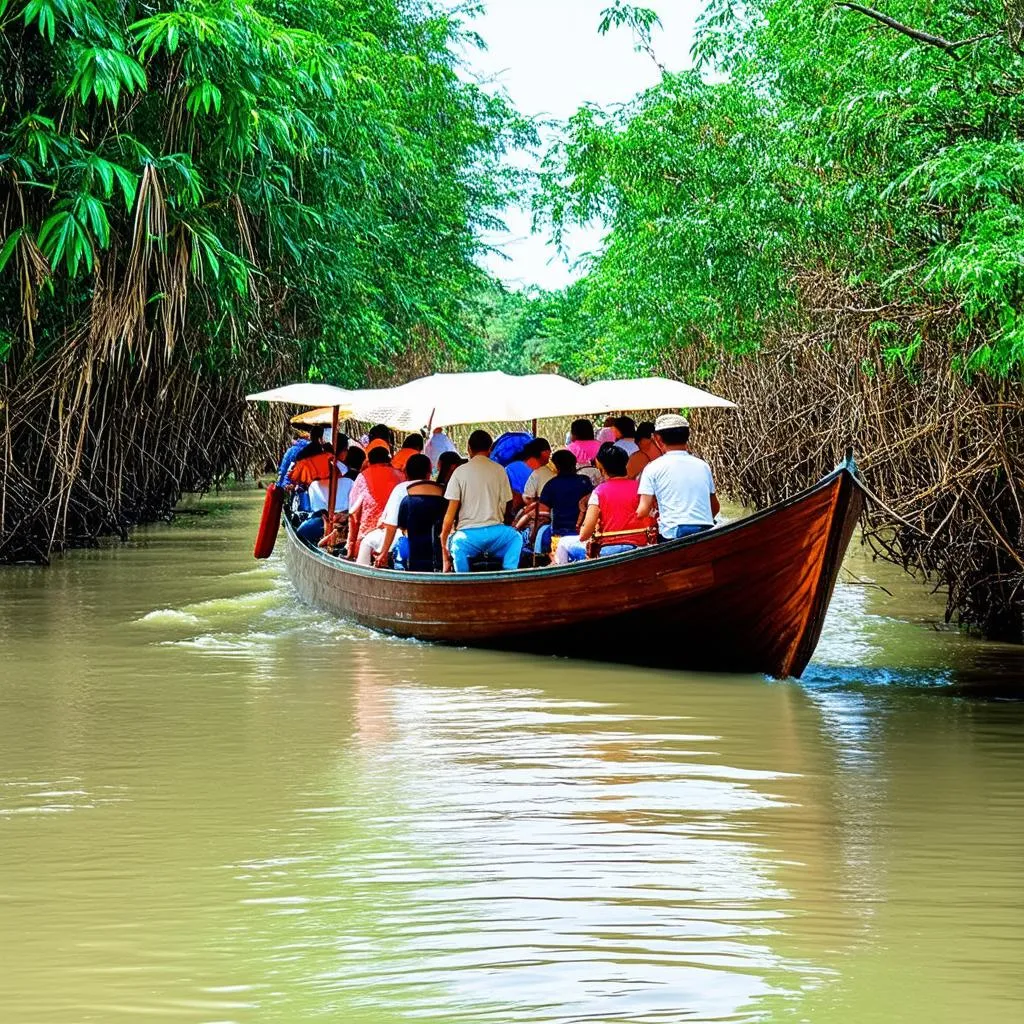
(311, 530)
(542, 545)
(675, 532)
(616, 549)
(498, 541)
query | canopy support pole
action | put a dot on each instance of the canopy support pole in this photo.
(534, 430)
(332, 484)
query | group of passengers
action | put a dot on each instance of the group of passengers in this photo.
(424, 508)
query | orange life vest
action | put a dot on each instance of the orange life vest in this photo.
(316, 467)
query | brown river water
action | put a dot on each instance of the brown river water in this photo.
(219, 805)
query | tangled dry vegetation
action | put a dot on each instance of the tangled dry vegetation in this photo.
(944, 454)
(89, 447)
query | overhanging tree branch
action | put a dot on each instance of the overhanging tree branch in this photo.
(947, 45)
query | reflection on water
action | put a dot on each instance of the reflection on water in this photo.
(218, 805)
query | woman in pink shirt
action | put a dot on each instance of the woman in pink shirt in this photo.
(583, 445)
(611, 512)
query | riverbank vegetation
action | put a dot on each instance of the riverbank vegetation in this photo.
(199, 197)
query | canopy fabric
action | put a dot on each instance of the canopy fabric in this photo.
(320, 417)
(446, 399)
(305, 394)
(650, 393)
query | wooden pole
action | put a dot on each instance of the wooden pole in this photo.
(534, 431)
(332, 485)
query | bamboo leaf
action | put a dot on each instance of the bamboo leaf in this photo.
(10, 243)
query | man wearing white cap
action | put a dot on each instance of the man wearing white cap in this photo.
(679, 484)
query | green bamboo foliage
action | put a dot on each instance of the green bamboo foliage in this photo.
(203, 197)
(318, 168)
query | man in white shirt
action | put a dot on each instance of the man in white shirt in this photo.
(479, 496)
(679, 484)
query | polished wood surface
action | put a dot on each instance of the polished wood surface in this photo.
(750, 596)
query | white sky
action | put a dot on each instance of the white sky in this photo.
(547, 55)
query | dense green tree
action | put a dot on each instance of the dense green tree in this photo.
(883, 148)
(318, 169)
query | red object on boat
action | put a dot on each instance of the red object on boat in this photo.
(270, 521)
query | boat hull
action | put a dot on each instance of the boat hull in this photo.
(750, 596)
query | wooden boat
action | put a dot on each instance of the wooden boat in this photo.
(749, 596)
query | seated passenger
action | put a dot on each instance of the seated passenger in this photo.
(447, 463)
(379, 436)
(354, 461)
(582, 443)
(625, 431)
(647, 450)
(535, 455)
(565, 496)
(422, 518)
(370, 494)
(381, 542)
(410, 446)
(611, 513)
(678, 484)
(533, 520)
(479, 499)
(290, 455)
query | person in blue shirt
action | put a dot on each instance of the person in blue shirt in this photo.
(289, 456)
(566, 495)
(535, 454)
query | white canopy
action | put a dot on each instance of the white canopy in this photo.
(444, 399)
(305, 394)
(650, 393)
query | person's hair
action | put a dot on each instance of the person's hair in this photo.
(535, 449)
(564, 462)
(378, 456)
(413, 441)
(418, 467)
(582, 430)
(626, 426)
(355, 458)
(612, 459)
(675, 435)
(479, 442)
(315, 446)
(609, 421)
(644, 431)
(381, 432)
(446, 463)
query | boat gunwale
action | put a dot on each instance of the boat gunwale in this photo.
(589, 565)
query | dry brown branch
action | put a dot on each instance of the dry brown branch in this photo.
(949, 46)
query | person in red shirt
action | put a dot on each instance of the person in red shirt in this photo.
(611, 513)
(370, 494)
